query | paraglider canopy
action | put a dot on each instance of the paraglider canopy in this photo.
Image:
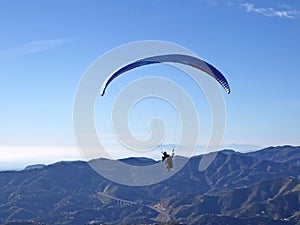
(172, 58)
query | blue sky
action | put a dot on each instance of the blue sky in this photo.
(46, 46)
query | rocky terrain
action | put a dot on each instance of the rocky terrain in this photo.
(261, 187)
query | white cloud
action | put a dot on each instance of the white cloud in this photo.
(12, 157)
(30, 48)
(271, 12)
(242, 147)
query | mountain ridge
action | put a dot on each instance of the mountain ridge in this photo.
(236, 187)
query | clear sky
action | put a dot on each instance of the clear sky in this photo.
(46, 46)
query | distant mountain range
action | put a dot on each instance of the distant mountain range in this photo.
(261, 187)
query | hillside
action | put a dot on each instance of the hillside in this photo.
(235, 189)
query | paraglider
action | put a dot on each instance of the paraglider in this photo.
(168, 159)
(172, 58)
